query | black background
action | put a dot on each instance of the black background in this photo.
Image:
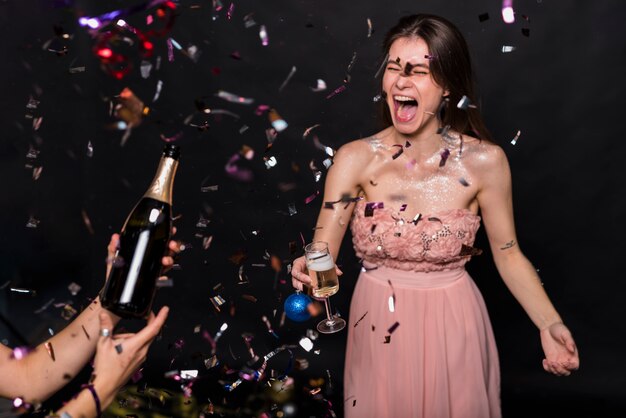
(562, 87)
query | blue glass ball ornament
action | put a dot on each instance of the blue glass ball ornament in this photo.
(296, 307)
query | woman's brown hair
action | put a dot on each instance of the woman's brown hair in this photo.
(450, 66)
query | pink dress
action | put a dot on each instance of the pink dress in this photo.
(420, 342)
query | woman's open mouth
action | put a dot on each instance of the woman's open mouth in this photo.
(405, 108)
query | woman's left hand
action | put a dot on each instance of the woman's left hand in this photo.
(560, 350)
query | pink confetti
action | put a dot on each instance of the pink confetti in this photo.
(336, 91)
(311, 198)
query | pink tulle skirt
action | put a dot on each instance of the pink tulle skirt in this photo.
(430, 353)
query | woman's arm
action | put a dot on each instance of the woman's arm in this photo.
(58, 360)
(495, 201)
(341, 187)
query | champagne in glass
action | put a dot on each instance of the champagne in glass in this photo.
(323, 274)
(324, 284)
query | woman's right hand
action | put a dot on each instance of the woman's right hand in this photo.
(119, 356)
(300, 274)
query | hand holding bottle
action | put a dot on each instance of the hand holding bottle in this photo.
(174, 248)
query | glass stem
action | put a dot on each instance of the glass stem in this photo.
(329, 315)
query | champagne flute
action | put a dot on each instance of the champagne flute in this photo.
(325, 283)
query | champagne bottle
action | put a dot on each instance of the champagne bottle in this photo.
(131, 285)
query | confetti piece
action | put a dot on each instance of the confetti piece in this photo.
(392, 298)
(86, 333)
(526, 32)
(507, 48)
(463, 182)
(74, 288)
(483, 17)
(89, 149)
(263, 35)
(270, 162)
(157, 93)
(516, 137)
(233, 98)
(32, 222)
(144, 68)
(50, 350)
(371, 206)
(393, 327)
(306, 343)
(289, 76)
(444, 157)
(370, 30)
(87, 223)
(508, 14)
(399, 152)
(321, 86)
(19, 353)
(248, 21)
(277, 121)
(465, 103)
(360, 319)
(336, 91)
(312, 197)
(231, 10)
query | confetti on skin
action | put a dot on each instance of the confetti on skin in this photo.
(336, 91)
(416, 219)
(371, 206)
(444, 157)
(483, 17)
(397, 153)
(289, 76)
(464, 182)
(345, 198)
(233, 98)
(321, 86)
(50, 350)
(516, 137)
(263, 35)
(508, 14)
(20, 353)
(507, 48)
(393, 327)
(86, 333)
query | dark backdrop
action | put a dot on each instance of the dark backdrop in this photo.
(562, 87)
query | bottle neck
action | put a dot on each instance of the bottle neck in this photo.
(161, 187)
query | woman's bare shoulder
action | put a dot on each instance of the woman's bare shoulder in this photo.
(483, 154)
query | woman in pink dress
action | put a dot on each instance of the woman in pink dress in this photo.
(420, 343)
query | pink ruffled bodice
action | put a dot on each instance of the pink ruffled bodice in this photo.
(434, 242)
